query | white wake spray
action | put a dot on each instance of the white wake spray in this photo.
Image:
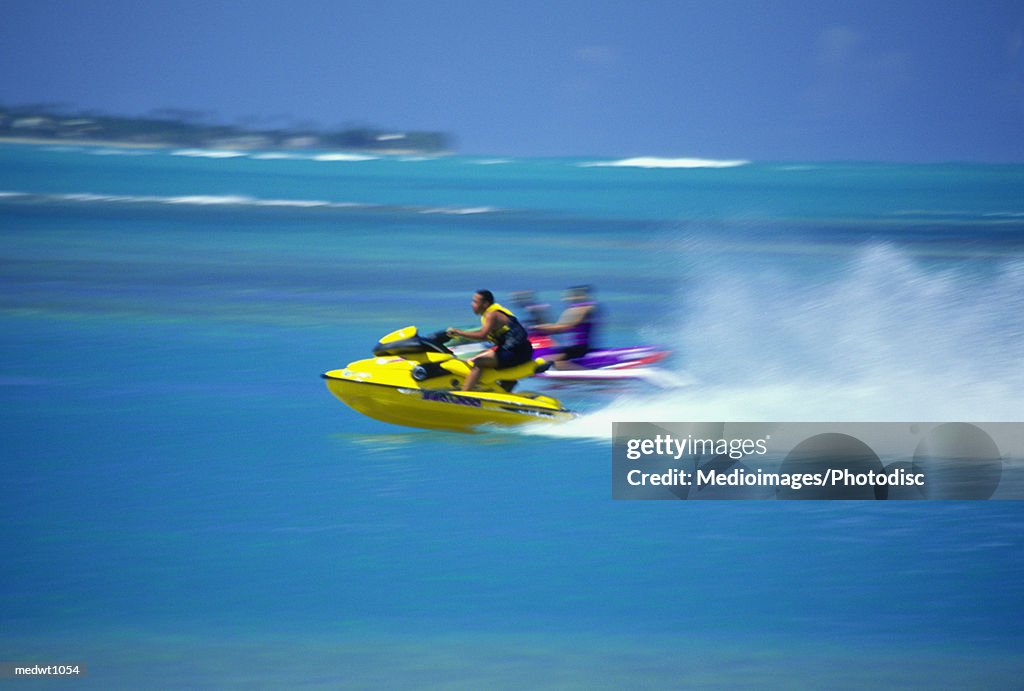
(880, 337)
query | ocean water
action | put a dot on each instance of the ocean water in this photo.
(185, 505)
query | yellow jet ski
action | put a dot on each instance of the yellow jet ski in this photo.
(416, 381)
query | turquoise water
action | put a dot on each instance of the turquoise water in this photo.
(185, 504)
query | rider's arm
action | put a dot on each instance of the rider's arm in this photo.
(481, 333)
(569, 320)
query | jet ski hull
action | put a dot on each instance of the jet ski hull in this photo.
(441, 409)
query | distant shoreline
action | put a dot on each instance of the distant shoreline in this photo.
(37, 141)
(83, 142)
(33, 125)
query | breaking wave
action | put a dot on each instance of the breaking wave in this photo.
(230, 200)
(656, 162)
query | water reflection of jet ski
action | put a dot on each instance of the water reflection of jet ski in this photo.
(415, 380)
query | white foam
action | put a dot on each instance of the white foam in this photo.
(343, 157)
(209, 199)
(278, 156)
(460, 211)
(90, 197)
(196, 200)
(1005, 214)
(209, 153)
(297, 203)
(882, 337)
(657, 162)
(106, 151)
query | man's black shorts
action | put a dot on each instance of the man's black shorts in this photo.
(517, 355)
(574, 352)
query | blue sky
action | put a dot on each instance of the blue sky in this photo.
(783, 80)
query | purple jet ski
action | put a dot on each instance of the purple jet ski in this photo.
(607, 363)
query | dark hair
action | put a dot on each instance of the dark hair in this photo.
(486, 295)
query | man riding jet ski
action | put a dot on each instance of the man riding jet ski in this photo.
(417, 381)
(579, 324)
(579, 358)
(499, 326)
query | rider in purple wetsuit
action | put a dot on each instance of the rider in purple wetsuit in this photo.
(578, 322)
